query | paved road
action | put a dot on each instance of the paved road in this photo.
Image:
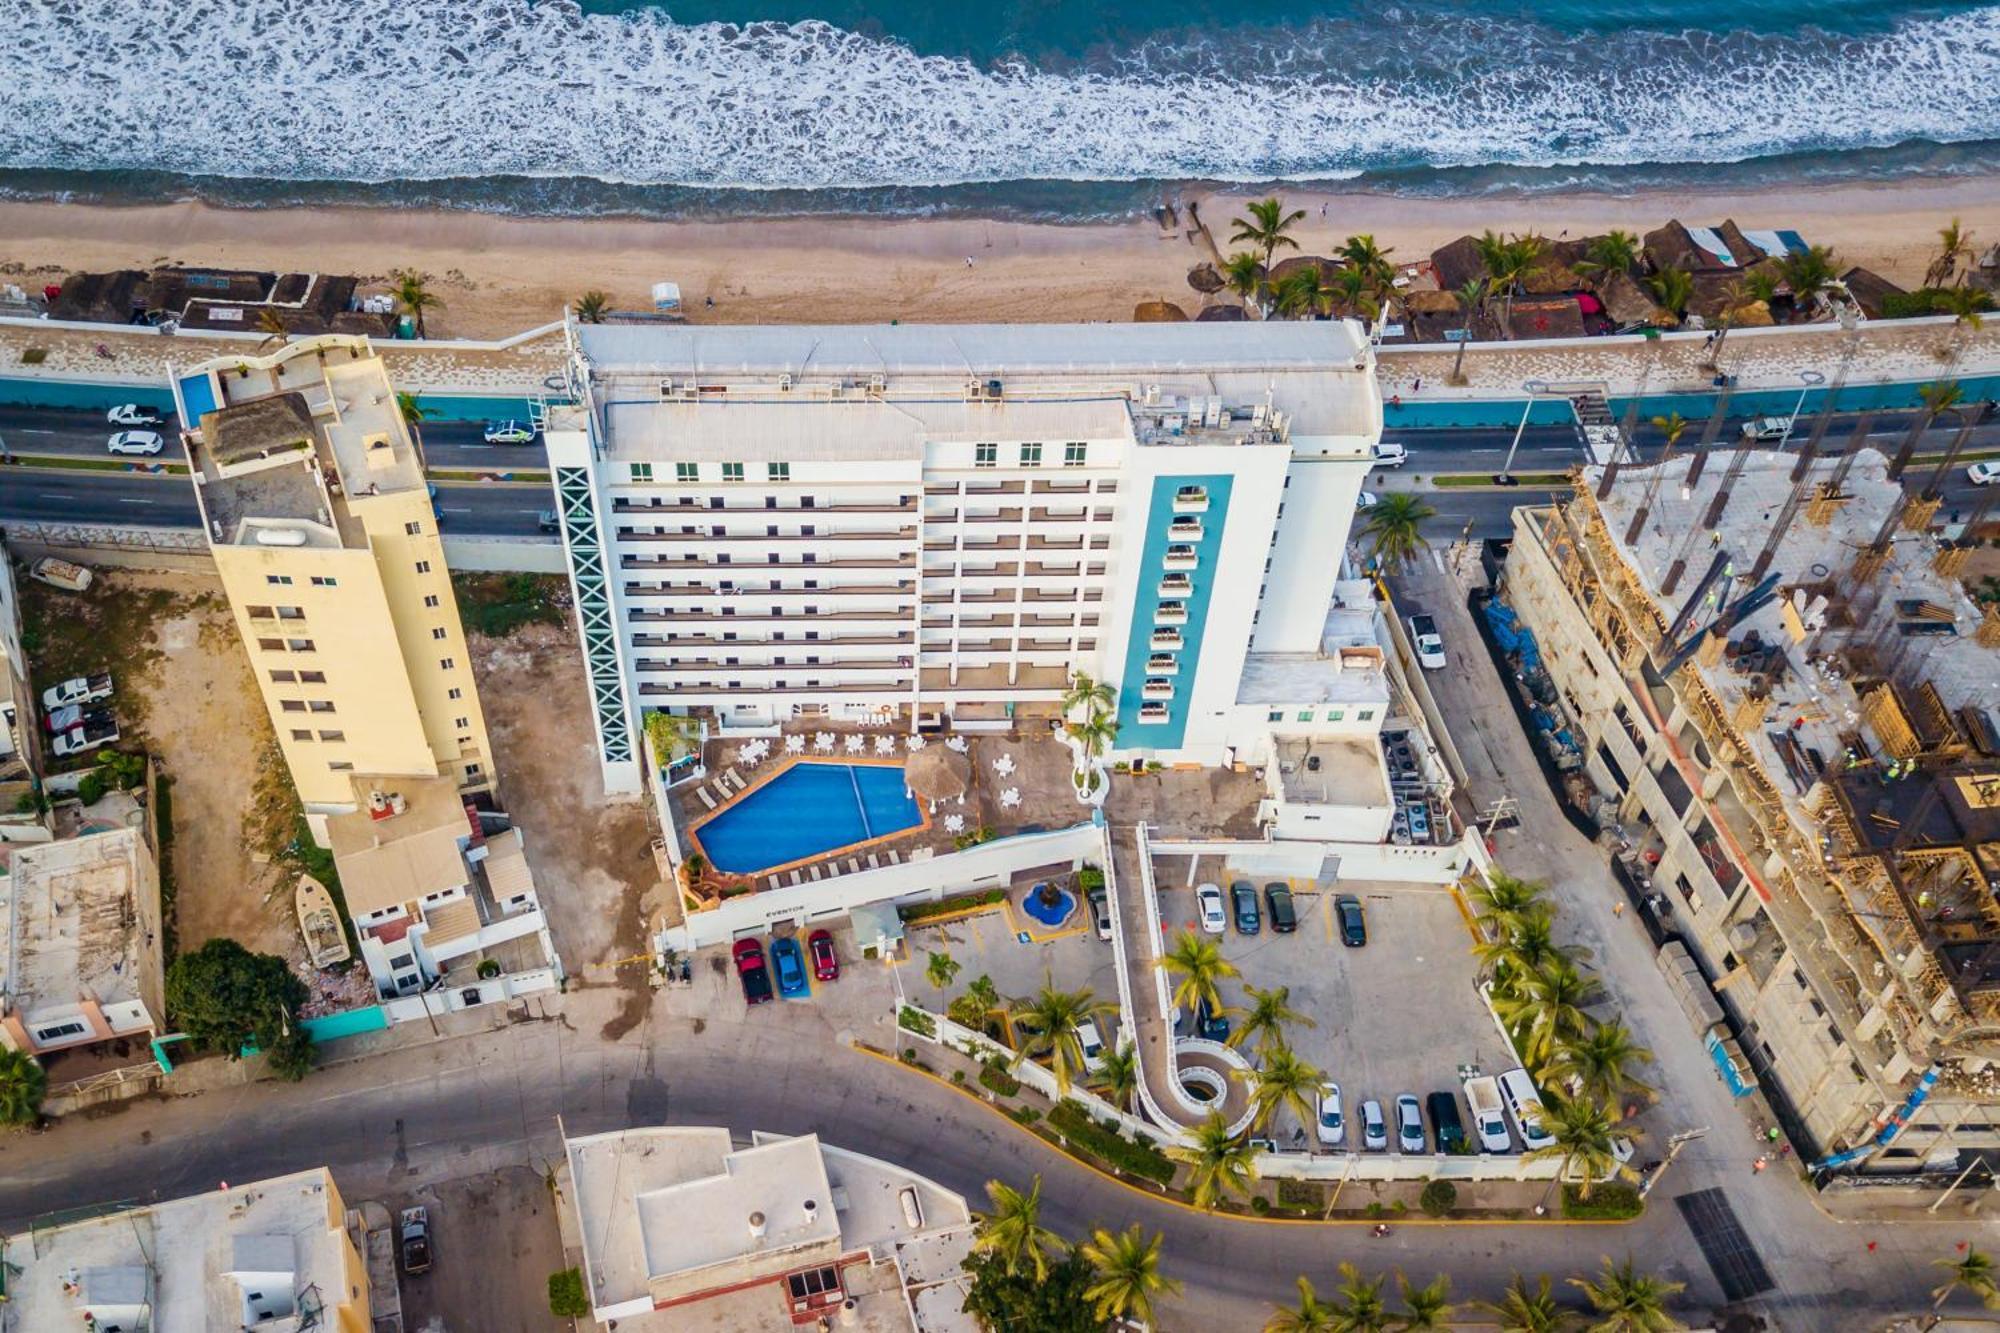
(81, 433)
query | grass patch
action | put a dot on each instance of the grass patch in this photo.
(946, 906)
(993, 1076)
(498, 604)
(530, 475)
(1301, 1194)
(163, 820)
(1545, 479)
(1611, 1201)
(111, 627)
(1074, 1124)
(1026, 1115)
(917, 1021)
(71, 463)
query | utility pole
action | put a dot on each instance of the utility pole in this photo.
(1975, 1164)
(1674, 1146)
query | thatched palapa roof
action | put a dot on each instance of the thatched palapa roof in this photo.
(1546, 317)
(937, 773)
(1458, 263)
(1628, 305)
(1158, 312)
(1284, 268)
(1672, 247)
(1550, 277)
(1428, 302)
(1222, 314)
(1868, 290)
(1205, 279)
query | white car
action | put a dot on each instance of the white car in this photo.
(1763, 429)
(1374, 1129)
(1092, 1044)
(1429, 643)
(144, 442)
(1409, 1124)
(1332, 1125)
(1367, 500)
(1209, 899)
(1983, 474)
(509, 432)
(1390, 454)
(132, 414)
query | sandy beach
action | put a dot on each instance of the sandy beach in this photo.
(500, 274)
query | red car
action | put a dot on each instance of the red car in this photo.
(750, 970)
(826, 963)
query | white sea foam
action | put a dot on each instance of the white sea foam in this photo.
(437, 89)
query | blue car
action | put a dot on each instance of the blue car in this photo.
(790, 965)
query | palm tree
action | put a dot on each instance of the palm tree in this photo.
(414, 415)
(274, 328)
(1471, 297)
(1501, 896)
(1093, 696)
(1673, 425)
(941, 969)
(1954, 243)
(1199, 964)
(1736, 297)
(1244, 273)
(1311, 1316)
(1546, 1007)
(1598, 1064)
(1361, 254)
(1965, 305)
(1358, 1305)
(1613, 252)
(23, 1084)
(1395, 529)
(671, 734)
(1297, 295)
(1266, 227)
(413, 293)
(1117, 1077)
(1582, 1130)
(1128, 1273)
(1282, 1081)
(1628, 1301)
(1218, 1162)
(1527, 942)
(592, 306)
(1425, 1307)
(1523, 1311)
(1506, 260)
(1808, 273)
(1049, 1023)
(1938, 399)
(1095, 733)
(1013, 1232)
(1972, 1272)
(1347, 292)
(1673, 288)
(980, 999)
(1266, 1016)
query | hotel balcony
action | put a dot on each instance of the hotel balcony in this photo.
(1184, 530)
(697, 691)
(1167, 640)
(986, 679)
(1150, 712)
(1176, 585)
(1171, 613)
(1015, 487)
(1181, 557)
(680, 511)
(1042, 515)
(1055, 543)
(1191, 500)
(749, 616)
(733, 567)
(1157, 689)
(683, 643)
(750, 597)
(1163, 664)
(1061, 487)
(711, 666)
(998, 516)
(704, 536)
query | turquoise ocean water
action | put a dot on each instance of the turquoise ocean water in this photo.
(1036, 107)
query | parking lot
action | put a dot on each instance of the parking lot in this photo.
(1399, 1014)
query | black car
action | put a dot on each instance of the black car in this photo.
(1209, 1024)
(1450, 1130)
(1278, 901)
(1243, 901)
(1353, 925)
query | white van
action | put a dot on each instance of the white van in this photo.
(1524, 1106)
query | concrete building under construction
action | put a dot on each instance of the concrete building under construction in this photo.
(1773, 676)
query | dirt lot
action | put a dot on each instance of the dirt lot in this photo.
(496, 1242)
(183, 691)
(592, 859)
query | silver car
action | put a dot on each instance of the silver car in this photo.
(144, 442)
(1374, 1129)
(1409, 1124)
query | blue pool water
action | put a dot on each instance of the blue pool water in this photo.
(808, 809)
(1049, 914)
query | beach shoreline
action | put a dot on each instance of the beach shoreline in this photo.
(500, 273)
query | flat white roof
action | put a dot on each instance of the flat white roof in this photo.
(70, 921)
(973, 350)
(772, 429)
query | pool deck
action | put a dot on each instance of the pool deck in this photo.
(779, 766)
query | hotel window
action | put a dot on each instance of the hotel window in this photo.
(685, 472)
(258, 612)
(312, 677)
(1335, 714)
(732, 472)
(445, 663)
(1365, 715)
(640, 473)
(1075, 454)
(291, 613)
(284, 677)
(1305, 715)
(1275, 715)
(463, 723)
(778, 471)
(985, 455)
(299, 645)
(412, 529)
(333, 735)
(340, 766)
(472, 770)
(292, 705)
(299, 734)
(271, 645)
(453, 693)
(437, 631)
(283, 580)
(430, 599)
(1031, 455)
(324, 581)
(320, 705)
(423, 566)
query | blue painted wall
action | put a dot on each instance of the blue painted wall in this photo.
(1133, 734)
(1445, 413)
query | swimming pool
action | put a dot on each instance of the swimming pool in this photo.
(809, 809)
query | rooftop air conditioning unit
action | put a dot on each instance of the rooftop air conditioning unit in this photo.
(993, 390)
(878, 384)
(784, 384)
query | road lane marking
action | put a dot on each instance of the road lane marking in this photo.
(456, 509)
(56, 495)
(127, 501)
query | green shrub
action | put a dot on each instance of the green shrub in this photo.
(1611, 1201)
(995, 1078)
(958, 1077)
(1300, 1193)
(1139, 1159)
(1375, 1208)
(163, 819)
(1027, 1115)
(1259, 1204)
(1923, 301)
(916, 1020)
(946, 906)
(489, 968)
(1090, 877)
(1439, 1197)
(90, 790)
(566, 1298)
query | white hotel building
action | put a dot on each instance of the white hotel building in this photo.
(939, 524)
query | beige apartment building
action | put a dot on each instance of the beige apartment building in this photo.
(1806, 788)
(313, 495)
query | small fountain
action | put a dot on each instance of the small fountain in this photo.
(1049, 904)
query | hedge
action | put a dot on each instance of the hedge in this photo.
(946, 906)
(1439, 1197)
(994, 1076)
(1139, 1159)
(917, 1021)
(1611, 1201)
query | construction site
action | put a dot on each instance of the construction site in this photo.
(1765, 667)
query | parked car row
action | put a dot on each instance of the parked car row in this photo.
(1244, 909)
(1504, 1110)
(789, 963)
(73, 725)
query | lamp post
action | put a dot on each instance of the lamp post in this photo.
(1535, 389)
(1808, 381)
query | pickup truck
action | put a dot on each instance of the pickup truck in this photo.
(416, 1235)
(1482, 1094)
(77, 690)
(64, 574)
(97, 728)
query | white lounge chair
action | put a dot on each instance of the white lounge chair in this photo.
(706, 799)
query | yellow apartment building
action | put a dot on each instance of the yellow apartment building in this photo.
(313, 495)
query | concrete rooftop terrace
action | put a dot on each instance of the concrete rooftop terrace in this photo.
(68, 915)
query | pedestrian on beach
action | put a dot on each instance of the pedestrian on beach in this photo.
(1417, 384)
(1618, 909)
(968, 261)
(1757, 1167)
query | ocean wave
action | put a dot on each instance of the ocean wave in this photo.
(377, 90)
